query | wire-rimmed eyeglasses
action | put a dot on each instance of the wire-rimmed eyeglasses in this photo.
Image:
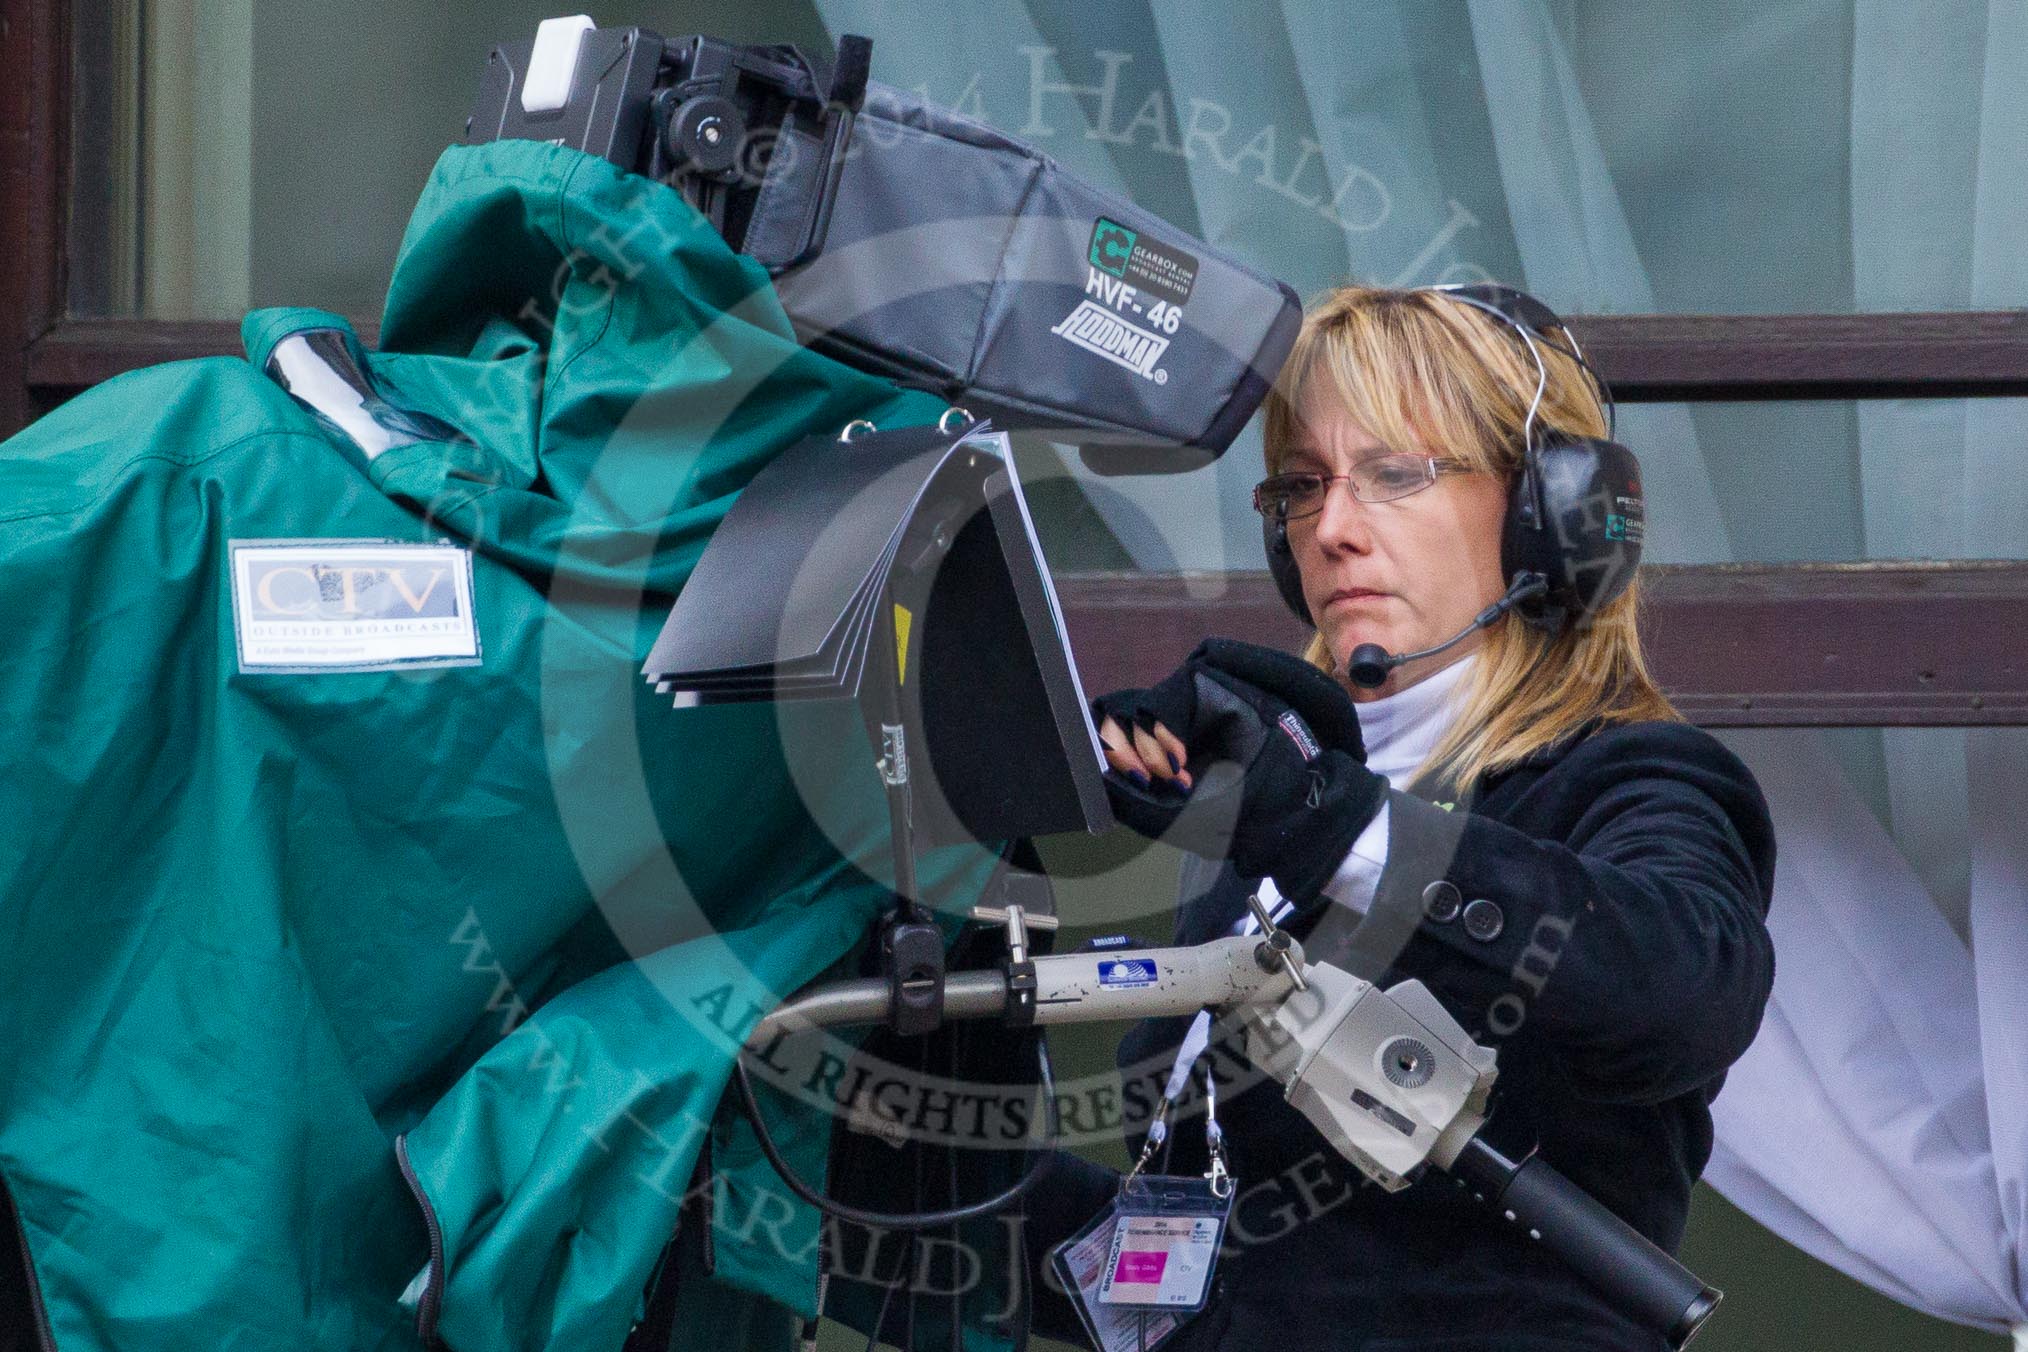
(1379, 478)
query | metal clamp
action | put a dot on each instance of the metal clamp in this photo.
(853, 428)
(1275, 945)
(912, 951)
(1020, 966)
(944, 424)
(997, 915)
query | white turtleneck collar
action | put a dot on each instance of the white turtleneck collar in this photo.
(1401, 729)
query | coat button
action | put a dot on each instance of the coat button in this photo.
(1440, 901)
(1484, 920)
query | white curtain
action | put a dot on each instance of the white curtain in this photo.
(1877, 1123)
(1894, 1053)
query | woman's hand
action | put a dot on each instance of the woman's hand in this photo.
(1139, 728)
(1143, 754)
(1279, 774)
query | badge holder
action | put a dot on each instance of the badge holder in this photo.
(1143, 1265)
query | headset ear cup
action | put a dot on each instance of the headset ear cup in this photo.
(1282, 566)
(1525, 547)
(1588, 540)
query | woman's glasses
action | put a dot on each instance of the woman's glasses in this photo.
(1380, 478)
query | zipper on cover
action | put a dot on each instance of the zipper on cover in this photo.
(426, 1308)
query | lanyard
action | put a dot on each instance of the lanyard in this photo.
(1219, 1175)
(1265, 900)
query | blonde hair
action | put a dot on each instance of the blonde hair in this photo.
(1420, 370)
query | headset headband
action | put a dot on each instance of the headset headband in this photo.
(1533, 320)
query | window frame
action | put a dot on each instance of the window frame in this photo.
(1735, 645)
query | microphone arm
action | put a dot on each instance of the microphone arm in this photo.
(1370, 663)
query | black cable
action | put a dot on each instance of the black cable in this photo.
(956, 1337)
(1039, 1159)
(880, 1320)
(917, 1151)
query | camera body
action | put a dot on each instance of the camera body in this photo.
(918, 244)
(695, 112)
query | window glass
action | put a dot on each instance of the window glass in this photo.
(1825, 481)
(1821, 155)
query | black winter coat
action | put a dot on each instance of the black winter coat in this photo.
(1618, 958)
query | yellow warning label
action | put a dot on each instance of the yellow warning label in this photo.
(902, 619)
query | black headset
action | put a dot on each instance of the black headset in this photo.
(1575, 519)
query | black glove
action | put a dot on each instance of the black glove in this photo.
(1281, 784)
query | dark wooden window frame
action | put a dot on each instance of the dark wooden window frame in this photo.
(1736, 645)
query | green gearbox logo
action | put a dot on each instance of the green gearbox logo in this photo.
(1112, 244)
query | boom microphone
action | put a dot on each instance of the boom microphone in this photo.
(1370, 663)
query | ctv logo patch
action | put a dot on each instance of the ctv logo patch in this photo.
(1105, 334)
(287, 589)
(351, 605)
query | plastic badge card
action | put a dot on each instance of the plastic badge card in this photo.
(1164, 1244)
(1082, 1264)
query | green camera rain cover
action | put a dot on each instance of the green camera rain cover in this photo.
(411, 964)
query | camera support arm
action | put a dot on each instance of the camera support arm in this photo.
(1387, 1075)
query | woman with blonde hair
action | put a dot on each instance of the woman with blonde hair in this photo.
(1469, 778)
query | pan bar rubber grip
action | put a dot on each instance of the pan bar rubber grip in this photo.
(1642, 1281)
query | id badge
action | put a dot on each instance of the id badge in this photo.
(1164, 1244)
(1143, 1266)
(1080, 1263)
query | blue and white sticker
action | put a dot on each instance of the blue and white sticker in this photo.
(1121, 973)
(316, 606)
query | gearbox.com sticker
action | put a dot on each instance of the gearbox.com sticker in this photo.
(1133, 257)
(308, 606)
